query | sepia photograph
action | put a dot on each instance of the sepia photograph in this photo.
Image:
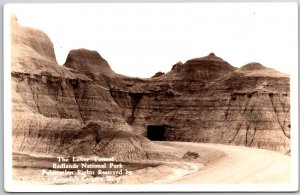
(166, 97)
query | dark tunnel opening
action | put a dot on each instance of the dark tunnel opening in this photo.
(156, 132)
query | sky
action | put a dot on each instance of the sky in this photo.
(141, 39)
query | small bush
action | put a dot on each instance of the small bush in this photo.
(190, 155)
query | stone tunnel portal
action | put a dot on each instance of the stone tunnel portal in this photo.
(156, 132)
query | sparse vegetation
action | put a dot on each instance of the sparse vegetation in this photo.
(190, 155)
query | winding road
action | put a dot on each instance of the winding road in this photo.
(240, 165)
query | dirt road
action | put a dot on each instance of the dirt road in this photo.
(240, 165)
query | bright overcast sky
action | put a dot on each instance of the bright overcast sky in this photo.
(142, 39)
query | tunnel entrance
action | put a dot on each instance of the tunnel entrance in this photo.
(156, 132)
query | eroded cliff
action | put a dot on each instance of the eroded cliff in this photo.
(85, 104)
(208, 100)
(53, 106)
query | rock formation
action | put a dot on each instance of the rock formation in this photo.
(53, 105)
(208, 100)
(85, 104)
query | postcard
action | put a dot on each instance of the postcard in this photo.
(146, 97)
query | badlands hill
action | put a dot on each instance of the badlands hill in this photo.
(58, 110)
(85, 108)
